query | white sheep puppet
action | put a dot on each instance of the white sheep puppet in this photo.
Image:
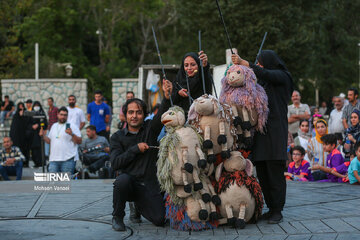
(213, 121)
(247, 99)
(240, 193)
(180, 156)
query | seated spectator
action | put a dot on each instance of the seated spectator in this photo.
(7, 110)
(298, 170)
(303, 137)
(11, 160)
(352, 134)
(336, 167)
(95, 150)
(314, 119)
(315, 149)
(354, 167)
(290, 144)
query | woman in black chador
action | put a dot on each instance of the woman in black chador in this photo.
(270, 149)
(190, 65)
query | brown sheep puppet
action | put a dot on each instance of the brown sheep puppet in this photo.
(240, 193)
(247, 99)
(178, 172)
(213, 121)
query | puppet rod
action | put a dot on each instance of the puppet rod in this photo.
(261, 46)
(161, 63)
(201, 65)
(188, 87)
(182, 88)
(223, 22)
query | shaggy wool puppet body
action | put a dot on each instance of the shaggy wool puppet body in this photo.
(248, 101)
(179, 174)
(240, 193)
(213, 121)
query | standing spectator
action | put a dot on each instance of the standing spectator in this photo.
(315, 150)
(75, 114)
(342, 95)
(19, 132)
(99, 114)
(129, 95)
(63, 139)
(348, 109)
(335, 120)
(28, 104)
(354, 168)
(11, 160)
(323, 109)
(303, 137)
(36, 125)
(7, 110)
(108, 125)
(52, 113)
(296, 112)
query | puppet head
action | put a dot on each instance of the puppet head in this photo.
(174, 117)
(236, 162)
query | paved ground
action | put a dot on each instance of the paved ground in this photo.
(313, 211)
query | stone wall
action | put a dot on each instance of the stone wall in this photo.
(40, 90)
(119, 89)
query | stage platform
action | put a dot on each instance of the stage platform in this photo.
(313, 211)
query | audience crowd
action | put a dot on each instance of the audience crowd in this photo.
(323, 142)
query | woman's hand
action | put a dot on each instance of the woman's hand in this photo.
(167, 88)
(203, 57)
(183, 92)
(35, 126)
(351, 138)
(236, 59)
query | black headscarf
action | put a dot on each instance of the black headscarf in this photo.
(195, 82)
(270, 60)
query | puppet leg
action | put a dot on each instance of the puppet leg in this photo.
(185, 154)
(208, 144)
(187, 186)
(229, 214)
(222, 141)
(197, 183)
(203, 213)
(237, 120)
(214, 197)
(246, 125)
(205, 193)
(201, 161)
(213, 214)
(240, 222)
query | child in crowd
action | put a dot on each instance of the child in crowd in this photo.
(299, 169)
(354, 168)
(336, 169)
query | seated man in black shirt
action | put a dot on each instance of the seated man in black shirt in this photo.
(133, 155)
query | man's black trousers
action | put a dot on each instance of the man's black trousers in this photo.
(273, 184)
(149, 203)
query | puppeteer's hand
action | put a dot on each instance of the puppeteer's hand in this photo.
(143, 147)
(183, 92)
(203, 57)
(167, 88)
(236, 59)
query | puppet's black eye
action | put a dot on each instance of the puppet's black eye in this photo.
(171, 113)
(238, 72)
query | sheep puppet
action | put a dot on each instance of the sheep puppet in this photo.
(240, 193)
(213, 121)
(248, 101)
(189, 194)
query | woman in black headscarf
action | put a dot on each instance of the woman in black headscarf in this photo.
(190, 65)
(35, 126)
(270, 149)
(19, 130)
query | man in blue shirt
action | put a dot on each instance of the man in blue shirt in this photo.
(99, 114)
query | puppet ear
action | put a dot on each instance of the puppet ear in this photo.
(249, 168)
(181, 118)
(218, 171)
(192, 113)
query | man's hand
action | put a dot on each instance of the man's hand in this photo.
(183, 92)
(167, 88)
(108, 128)
(203, 57)
(10, 161)
(143, 147)
(69, 131)
(41, 132)
(8, 114)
